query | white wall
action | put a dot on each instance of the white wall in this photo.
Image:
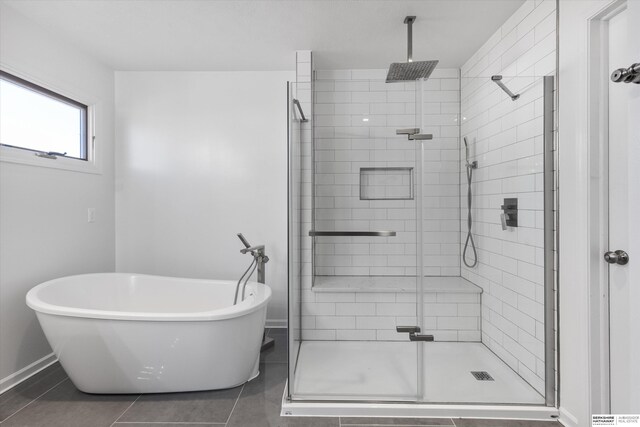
(202, 156)
(43, 211)
(579, 391)
(505, 137)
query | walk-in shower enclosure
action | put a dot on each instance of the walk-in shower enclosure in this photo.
(377, 223)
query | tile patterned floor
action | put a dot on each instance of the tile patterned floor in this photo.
(50, 399)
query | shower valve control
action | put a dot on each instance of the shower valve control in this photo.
(509, 216)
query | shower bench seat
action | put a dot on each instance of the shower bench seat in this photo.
(370, 307)
(400, 284)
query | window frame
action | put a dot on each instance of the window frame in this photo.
(87, 162)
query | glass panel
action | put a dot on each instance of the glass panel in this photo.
(489, 317)
(364, 272)
(299, 212)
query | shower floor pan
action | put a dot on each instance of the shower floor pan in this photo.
(368, 370)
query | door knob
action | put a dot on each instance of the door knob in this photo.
(618, 257)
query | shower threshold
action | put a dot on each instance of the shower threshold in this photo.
(412, 410)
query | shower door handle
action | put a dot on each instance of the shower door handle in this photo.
(618, 257)
(419, 337)
(413, 333)
(408, 329)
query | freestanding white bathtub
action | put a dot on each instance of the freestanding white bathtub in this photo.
(131, 333)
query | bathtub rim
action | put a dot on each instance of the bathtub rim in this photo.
(249, 305)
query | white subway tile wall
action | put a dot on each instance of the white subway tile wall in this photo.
(370, 308)
(356, 117)
(506, 139)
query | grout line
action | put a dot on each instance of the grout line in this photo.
(234, 405)
(128, 407)
(39, 396)
(454, 423)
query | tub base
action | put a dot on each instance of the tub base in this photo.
(124, 357)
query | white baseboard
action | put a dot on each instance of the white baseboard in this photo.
(27, 372)
(276, 323)
(567, 419)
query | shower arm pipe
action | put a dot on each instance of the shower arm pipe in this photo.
(303, 118)
(409, 20)
(498, 80)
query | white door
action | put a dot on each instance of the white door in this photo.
(624, 215)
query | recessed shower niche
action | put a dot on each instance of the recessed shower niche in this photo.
(386, 183)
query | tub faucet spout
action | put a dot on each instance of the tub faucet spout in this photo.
(259, 256)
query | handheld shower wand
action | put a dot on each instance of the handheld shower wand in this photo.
(470, 167)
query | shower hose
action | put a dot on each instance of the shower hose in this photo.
(469, 222)
(253, 264)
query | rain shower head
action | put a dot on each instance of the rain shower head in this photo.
(410, 71)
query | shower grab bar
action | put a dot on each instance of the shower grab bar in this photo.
(498, 80)
(314, 233)
(409, 131)
(303, 118)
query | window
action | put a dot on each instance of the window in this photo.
(36, 119)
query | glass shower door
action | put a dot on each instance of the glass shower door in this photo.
(295, 237)
(357, 310)
(494, 319)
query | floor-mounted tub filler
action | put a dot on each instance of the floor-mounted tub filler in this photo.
(131, 333)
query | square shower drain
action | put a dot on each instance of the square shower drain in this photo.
(482, 375)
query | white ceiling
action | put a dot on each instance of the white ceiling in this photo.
(262, 34)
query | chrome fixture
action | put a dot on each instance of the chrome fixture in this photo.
(470, 166)
(314, 233)
(498, 80)
(618, 257)
(420, 137)
(413, 333)
(627, 75)
(410, 131)
(509, 217)
(413, 134)
(482, 376)
(303, 118)
(259, 260)
(409, 71)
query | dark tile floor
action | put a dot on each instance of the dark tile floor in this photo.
(50, 399)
